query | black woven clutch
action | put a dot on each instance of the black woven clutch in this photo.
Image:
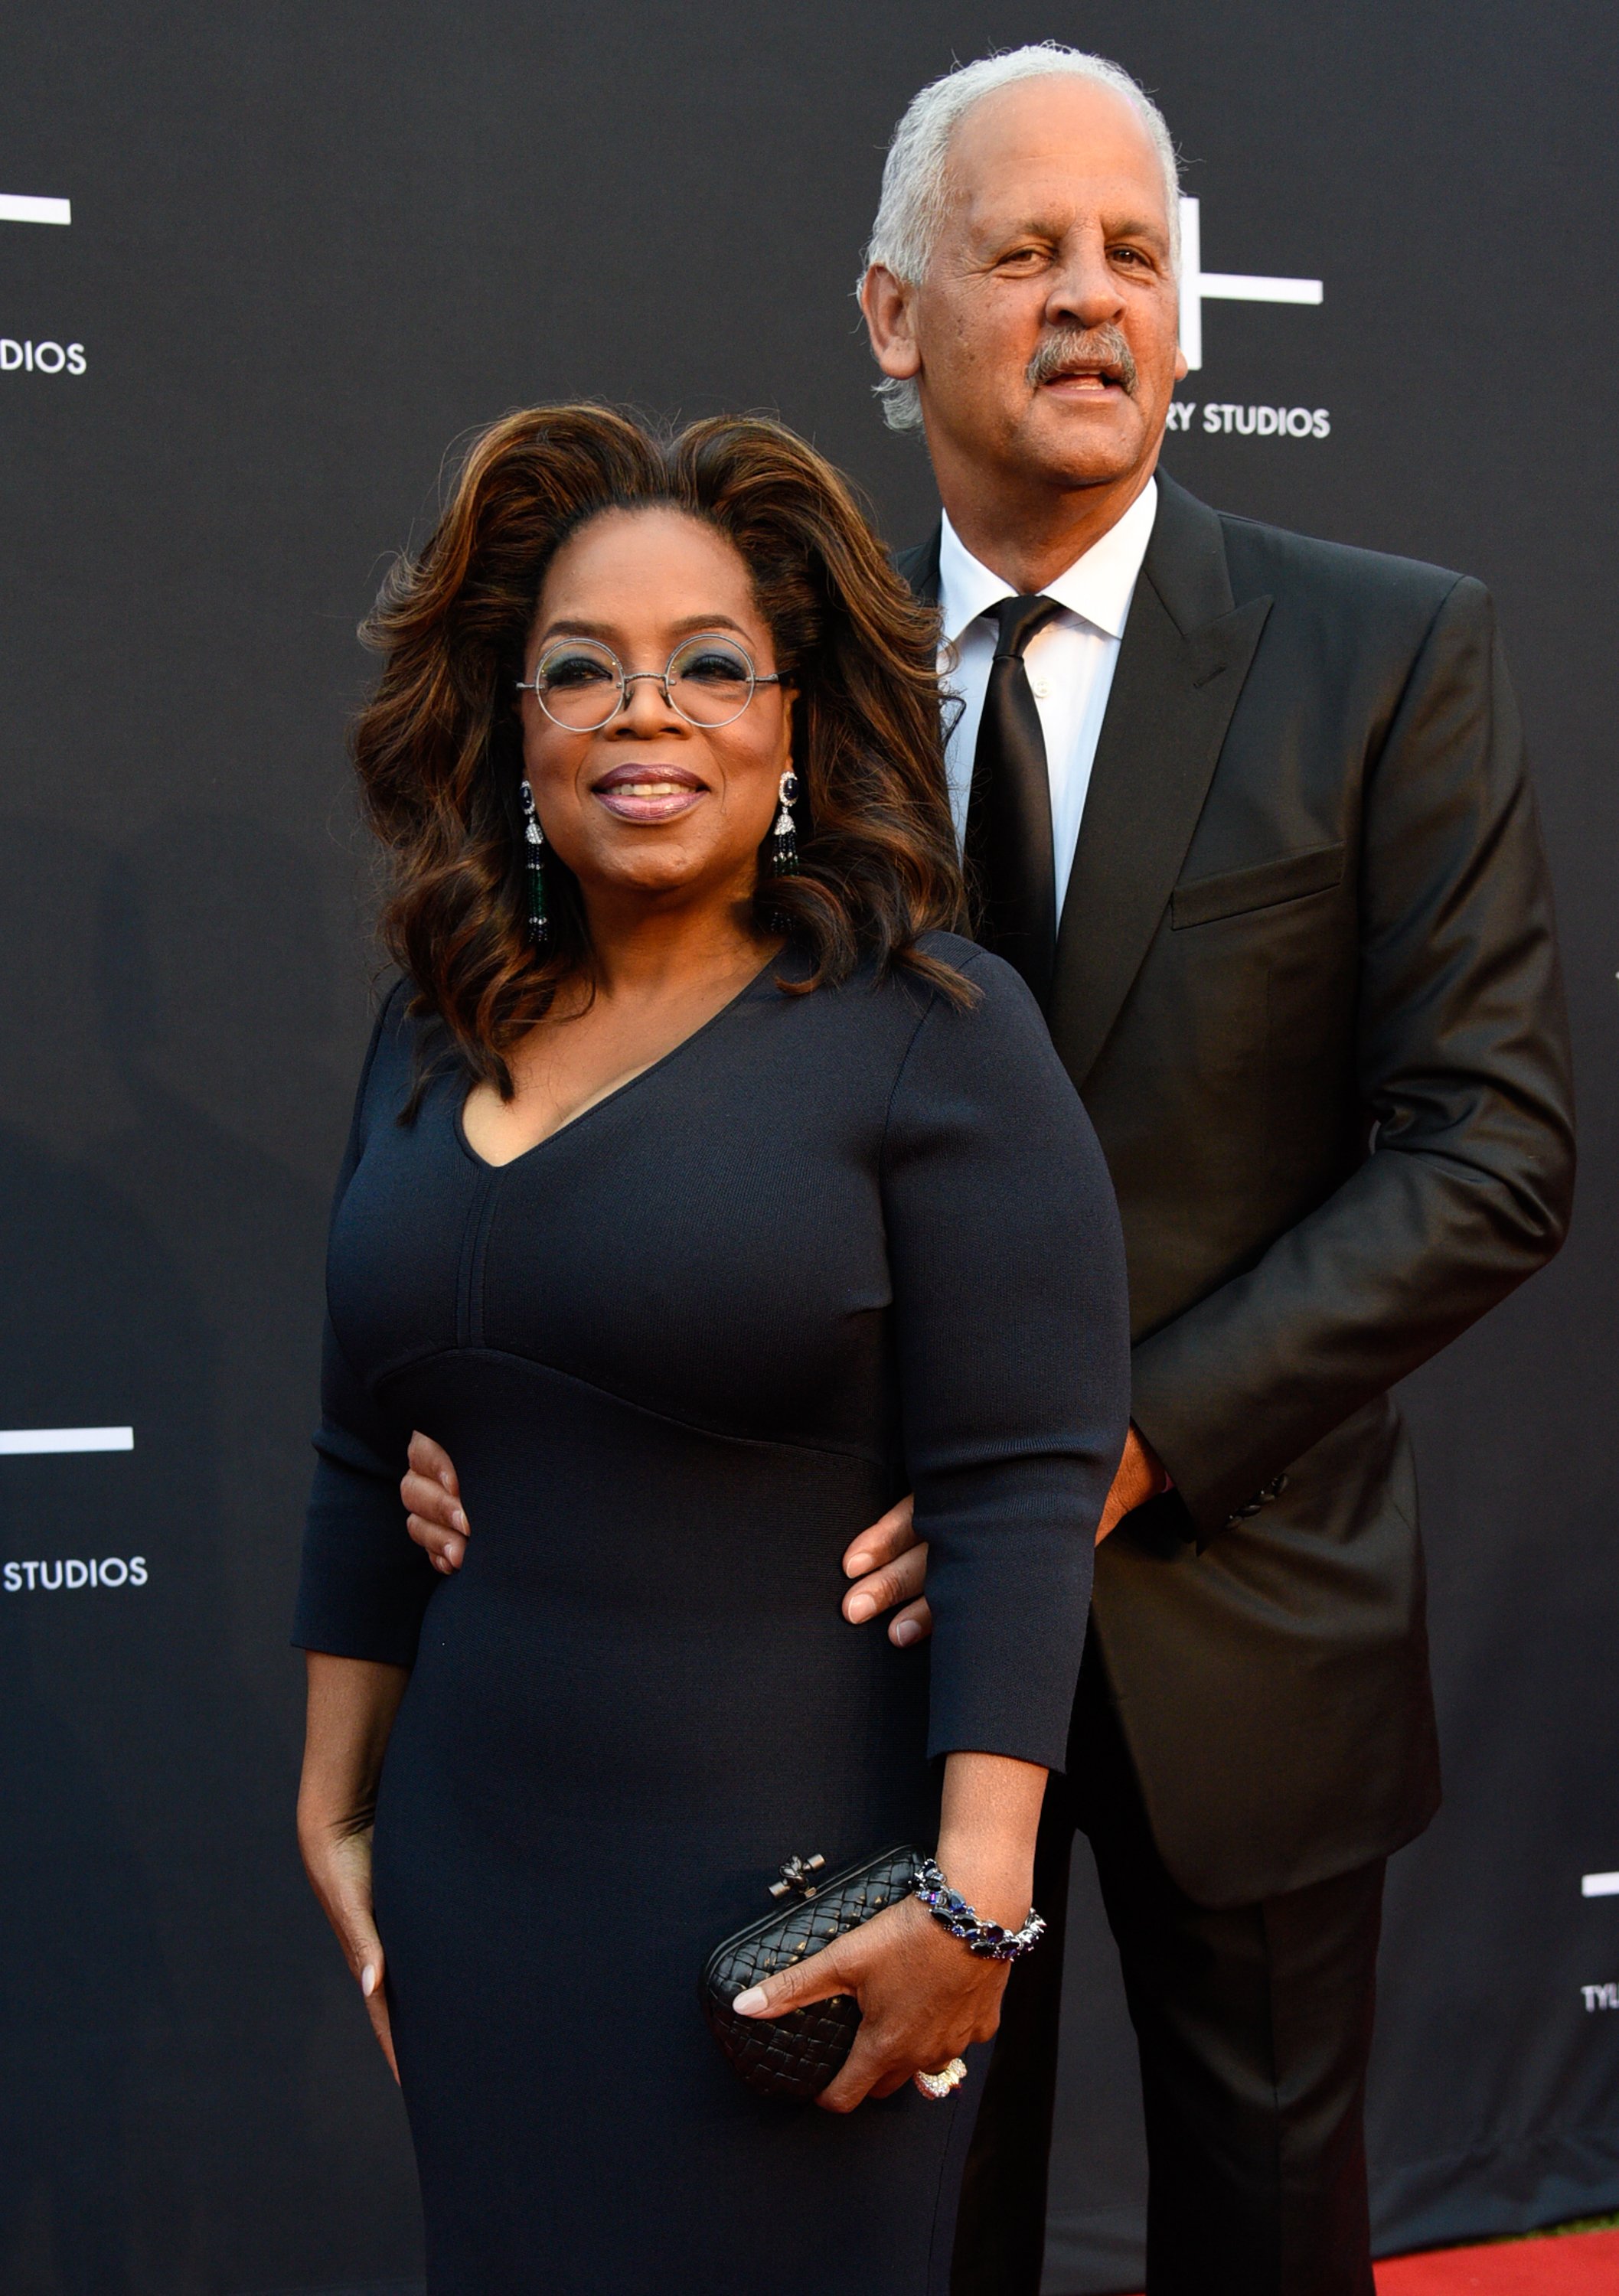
(793, 2057)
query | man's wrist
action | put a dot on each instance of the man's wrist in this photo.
(1142, 1470)
(1141, 1476)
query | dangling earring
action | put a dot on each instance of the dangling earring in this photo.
(534, 845)
(784, 838)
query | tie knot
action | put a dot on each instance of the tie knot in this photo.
(1018, 619)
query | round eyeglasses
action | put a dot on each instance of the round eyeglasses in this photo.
(583, 685)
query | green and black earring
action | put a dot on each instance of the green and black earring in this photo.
(534, 850)
(784, 838)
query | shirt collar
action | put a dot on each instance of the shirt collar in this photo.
(1097, 586)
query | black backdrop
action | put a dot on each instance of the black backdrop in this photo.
(311, 244)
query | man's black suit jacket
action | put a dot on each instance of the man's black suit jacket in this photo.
(1307, 983)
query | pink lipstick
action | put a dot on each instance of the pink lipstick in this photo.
(649, 792)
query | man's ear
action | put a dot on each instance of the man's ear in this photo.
(886, 302)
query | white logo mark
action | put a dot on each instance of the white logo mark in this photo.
(16, 1442)
(1600, 1996)
(1198, 286)
(16, 207)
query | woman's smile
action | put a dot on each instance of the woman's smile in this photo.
(649, 792)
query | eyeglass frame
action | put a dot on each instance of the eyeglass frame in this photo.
(628, 678)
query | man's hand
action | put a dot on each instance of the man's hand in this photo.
(888, 1563)
(432, 1492)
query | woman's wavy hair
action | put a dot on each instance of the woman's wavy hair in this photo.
(438, 747)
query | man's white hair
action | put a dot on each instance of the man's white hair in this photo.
(916, 185)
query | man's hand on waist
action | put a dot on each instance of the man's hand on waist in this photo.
(431, 1496)
(888, 1563)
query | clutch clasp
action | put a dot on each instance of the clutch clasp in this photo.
(795, 1876)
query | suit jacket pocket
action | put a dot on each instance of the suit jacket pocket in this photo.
(1200, 900)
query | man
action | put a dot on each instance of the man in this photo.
(1249, 812)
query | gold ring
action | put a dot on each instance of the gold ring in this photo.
(939, 2085)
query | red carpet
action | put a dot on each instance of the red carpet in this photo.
(1578, 2264)
(1575, 2264)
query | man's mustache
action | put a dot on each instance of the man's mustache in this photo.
(1066, 349)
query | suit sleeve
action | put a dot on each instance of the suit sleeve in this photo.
(1011, 1339)
(365, 1583)
(1464, 1070)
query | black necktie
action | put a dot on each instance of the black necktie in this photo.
(1008, 841)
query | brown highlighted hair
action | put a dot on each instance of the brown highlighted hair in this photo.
(438, 747)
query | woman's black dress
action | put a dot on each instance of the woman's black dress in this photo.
(833, 1246)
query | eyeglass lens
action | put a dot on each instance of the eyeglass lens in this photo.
(580, 685)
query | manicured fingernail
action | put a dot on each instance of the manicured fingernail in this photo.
(906, 1631)
(444, 1477)
(750, 2004)
(368, 1980)
(857, 1566)
(459, 1520)
(860, 1608)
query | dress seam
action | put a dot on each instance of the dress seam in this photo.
(359, 1128)
(667, 1418)
(893, 1092)
(474, 1245)
(384, 1021)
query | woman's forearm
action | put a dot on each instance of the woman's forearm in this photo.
(352, 1705)
(352, 1702)
(987, 1828)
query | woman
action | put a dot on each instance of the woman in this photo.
(701, 1205)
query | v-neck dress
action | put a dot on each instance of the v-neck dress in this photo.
(835, 1246)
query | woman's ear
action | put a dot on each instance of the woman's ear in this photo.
(789, 727)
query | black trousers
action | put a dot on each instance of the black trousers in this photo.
(1253, 2026)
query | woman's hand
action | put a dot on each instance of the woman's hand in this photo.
(338, 1867)
(924, 1999)
(352, 1704)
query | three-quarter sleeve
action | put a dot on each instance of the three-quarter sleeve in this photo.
(1012, 1344)
(365, 1583)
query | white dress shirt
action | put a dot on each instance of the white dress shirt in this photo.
(1069, 661)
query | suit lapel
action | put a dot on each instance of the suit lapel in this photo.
(1186, 651)
(918, 568)
(1183, 658)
